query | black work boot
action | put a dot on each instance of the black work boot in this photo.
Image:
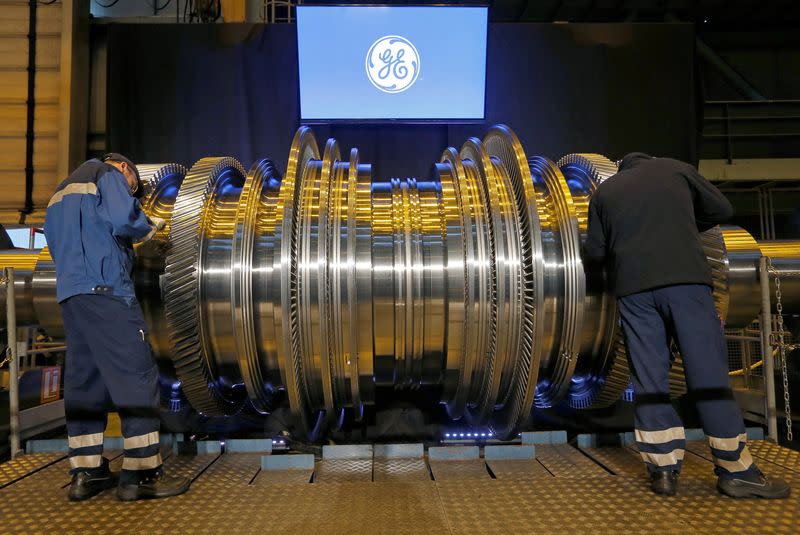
(753, 485)
(154, 485)
(91, 482)
(664, 483)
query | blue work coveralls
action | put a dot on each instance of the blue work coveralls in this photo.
(92, 222)
(644, 225)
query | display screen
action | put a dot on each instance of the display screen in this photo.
(387, 62)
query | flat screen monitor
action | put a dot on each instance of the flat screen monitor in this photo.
(377, 63)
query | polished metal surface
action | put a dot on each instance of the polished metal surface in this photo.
(45, 302)
(507, 154)
(742, 254)
(324, 284)
(252, 251)
(568, 274)
(601, 373)
(161, 183)
(197, 253)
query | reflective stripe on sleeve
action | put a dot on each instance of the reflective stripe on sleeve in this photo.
(85, 188)
(149, 236)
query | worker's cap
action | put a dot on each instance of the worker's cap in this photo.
(117, 157)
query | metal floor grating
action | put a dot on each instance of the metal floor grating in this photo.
(563, 490)
(25, 465)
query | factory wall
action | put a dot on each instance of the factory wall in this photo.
(13, 98)
(59, 103)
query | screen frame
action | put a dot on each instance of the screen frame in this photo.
(387, 120)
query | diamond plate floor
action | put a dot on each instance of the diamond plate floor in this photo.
(514, 469)
(564, 490)
(568, 506)
(400, 470)
(26, 464)
(772, 452)
(459, 470)
(697, 502)
(565, 461)
(343, 471)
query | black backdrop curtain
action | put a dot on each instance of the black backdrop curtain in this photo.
(180, 92)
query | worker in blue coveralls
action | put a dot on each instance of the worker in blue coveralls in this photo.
(644, 226)
(92, 222)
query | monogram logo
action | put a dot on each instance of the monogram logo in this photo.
(392, 64)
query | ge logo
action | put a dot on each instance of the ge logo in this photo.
(392, 64)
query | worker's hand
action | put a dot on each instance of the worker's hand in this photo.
(156, 224)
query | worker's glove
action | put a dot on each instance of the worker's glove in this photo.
(156, 224)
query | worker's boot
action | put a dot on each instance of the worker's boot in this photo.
(91, 482)
(753, 485)
(664, 483)
(156, 484)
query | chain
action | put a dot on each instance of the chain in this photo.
(782, 348)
